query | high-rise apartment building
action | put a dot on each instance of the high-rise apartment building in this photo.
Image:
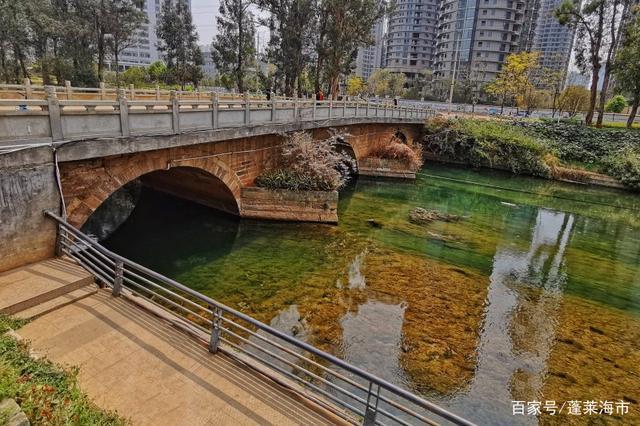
(144, 49)
(475, 36)
(370, 58)
(410, 39)
(552, 40)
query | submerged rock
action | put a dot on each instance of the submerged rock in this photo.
(422, 216)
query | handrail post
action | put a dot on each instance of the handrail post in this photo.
(55, 119)
(367, 108)
(247, 108)
(117, 278)
(295, 109)
(103, 92)
(315, 106)
(357, 105)
(214, 341)
(371, 410)
(175, 111)
(59, 235)
(214, 110)
(67, 89)
(344, 106)
(157, 92)
(273, 107)
(330, 108)
(28, 92)
(123, 105)
(132, 91)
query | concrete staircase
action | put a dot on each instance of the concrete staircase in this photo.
(39, 288)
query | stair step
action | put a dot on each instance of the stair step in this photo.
(58, 302)
(28, 286)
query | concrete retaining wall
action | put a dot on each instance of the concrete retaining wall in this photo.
(281, 204)
(26, 236)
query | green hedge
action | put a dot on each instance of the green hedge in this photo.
(489, 143)
(575, 142)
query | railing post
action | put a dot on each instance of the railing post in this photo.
(55, 119)
(357, 107)
(59, 249)
(132, 91)
(371, 410)
(214, 341)
(175, 111)
(273, 107)
(385, 109)
(295, 109)
(313, 111)
(67, 89)
(157, 92)
(214, 110)
(117, 278)
(28, 93)
(330, 108)
(103, 92)
(367, 109)
(247, 108)
(123, 105)
(344, 106)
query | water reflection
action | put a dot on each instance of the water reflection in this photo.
(518, 331)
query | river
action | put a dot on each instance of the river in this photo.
(533, 294)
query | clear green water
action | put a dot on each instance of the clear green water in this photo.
(534, 294)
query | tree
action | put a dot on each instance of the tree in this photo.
(516, 79)
(386, 83)
(627, 70)
(616, 104)
(356, 85)
(290, 25)
(589, 22)
(233, 50)
(122, 21)
(345, 27)
(157, 71)
(179, 42)
(572, 100)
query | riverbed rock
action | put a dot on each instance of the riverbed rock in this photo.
(421, 216)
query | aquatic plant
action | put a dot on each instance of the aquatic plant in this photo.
(307, 164)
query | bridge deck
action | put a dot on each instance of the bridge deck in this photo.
(134, 362)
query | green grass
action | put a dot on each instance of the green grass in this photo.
(618, 125)
(47, 393)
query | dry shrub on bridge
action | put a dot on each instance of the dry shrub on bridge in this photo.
(307, 164)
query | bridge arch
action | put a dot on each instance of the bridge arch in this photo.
(206, 180)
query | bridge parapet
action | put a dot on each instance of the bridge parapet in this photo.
(27, 122)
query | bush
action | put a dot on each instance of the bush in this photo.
(575, 142)
(616, 104)
(411, 156)
(307, 164)
(489, 143)
(625, 167)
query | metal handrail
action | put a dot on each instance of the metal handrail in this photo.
(120, 272)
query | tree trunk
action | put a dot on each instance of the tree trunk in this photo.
(115, 59)
(603, 93)
(633, 112)
(594, 93)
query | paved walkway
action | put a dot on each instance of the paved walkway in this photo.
(135, 363)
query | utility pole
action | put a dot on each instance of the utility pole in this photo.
(453, 77)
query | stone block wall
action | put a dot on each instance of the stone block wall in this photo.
(282, 204)
(26, 236)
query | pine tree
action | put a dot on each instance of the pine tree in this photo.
(179, 42)
(233, 50)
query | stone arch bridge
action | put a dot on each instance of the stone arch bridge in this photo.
(81, 152)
